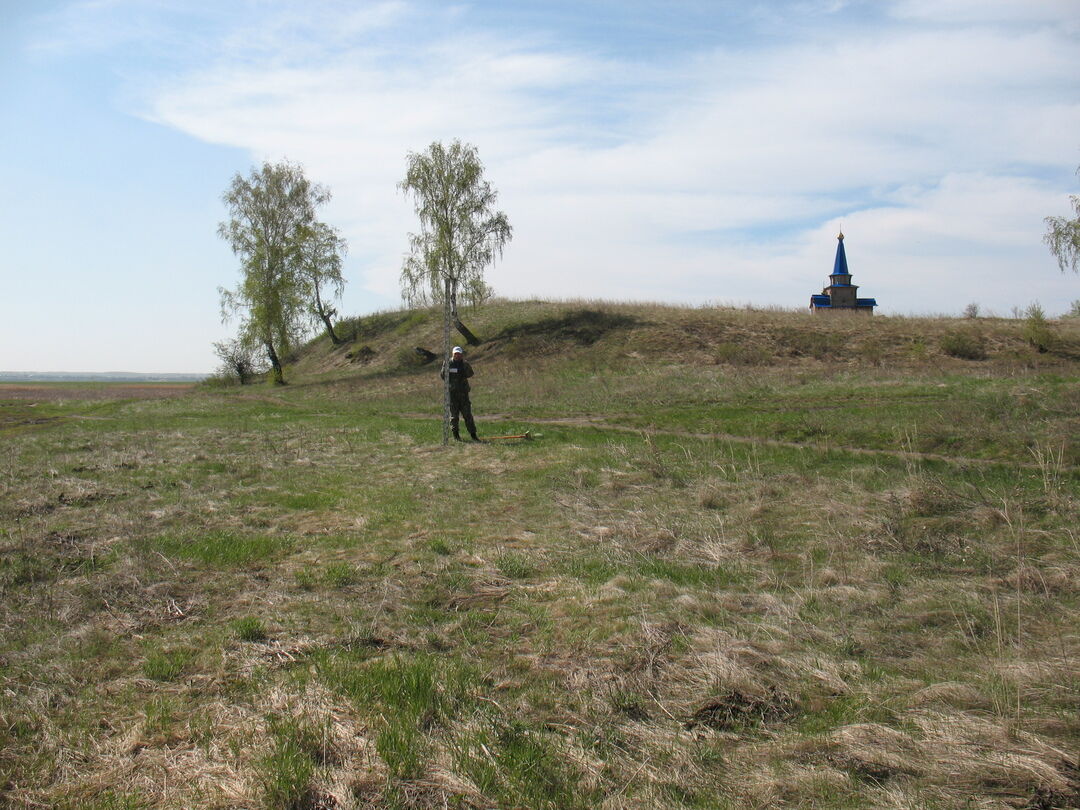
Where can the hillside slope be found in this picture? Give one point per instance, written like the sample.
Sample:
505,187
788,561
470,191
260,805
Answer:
615,333
749,560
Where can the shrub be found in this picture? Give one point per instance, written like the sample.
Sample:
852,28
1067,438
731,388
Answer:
965,345
1037,330
238,360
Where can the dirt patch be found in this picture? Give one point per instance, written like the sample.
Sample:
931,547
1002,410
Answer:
55,392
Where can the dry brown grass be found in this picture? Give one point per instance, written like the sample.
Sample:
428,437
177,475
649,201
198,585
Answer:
638,610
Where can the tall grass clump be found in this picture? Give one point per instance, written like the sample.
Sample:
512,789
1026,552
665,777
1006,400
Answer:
408,697
299,748
965,345
518,765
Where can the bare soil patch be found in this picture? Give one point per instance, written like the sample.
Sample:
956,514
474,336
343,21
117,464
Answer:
55,392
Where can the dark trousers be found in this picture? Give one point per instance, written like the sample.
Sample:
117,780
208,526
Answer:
460,405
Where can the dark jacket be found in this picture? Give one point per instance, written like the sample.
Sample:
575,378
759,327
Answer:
460,371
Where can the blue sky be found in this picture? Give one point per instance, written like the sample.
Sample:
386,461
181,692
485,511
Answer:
683,151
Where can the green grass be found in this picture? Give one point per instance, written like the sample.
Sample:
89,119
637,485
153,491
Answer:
751,562
250,628
221,549
166,665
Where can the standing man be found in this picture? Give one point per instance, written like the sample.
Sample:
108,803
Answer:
459,372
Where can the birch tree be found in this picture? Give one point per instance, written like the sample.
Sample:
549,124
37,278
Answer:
321,256
1063,237
461,233
271,214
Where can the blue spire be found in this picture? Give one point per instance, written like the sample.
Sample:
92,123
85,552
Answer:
840,265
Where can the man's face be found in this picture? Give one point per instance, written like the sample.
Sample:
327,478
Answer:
457,355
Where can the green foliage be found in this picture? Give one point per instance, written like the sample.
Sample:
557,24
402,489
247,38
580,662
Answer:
1037,331
21,568
1063,237
409,695
739,354
306,579
460,232
842,710
321,255
460,235
271,221
964,344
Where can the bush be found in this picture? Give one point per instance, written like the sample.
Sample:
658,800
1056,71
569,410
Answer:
965,345
1037,330
238,359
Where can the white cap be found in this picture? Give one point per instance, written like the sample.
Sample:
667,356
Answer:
457,350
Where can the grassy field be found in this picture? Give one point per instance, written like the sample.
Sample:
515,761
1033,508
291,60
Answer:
753,559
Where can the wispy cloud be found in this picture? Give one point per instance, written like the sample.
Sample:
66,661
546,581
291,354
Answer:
692,174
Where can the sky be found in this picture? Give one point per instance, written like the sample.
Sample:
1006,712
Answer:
704,152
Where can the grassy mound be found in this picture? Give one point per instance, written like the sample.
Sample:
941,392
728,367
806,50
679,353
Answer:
756,559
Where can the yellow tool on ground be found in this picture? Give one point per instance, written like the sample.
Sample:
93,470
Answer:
527,436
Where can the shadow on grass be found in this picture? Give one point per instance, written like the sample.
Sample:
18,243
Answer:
583,327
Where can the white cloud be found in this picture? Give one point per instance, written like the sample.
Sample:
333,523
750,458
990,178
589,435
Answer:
988,11
913,134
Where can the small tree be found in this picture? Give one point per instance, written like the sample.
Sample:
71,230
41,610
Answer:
320,261
271,215
460,235
1063,237
237,358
